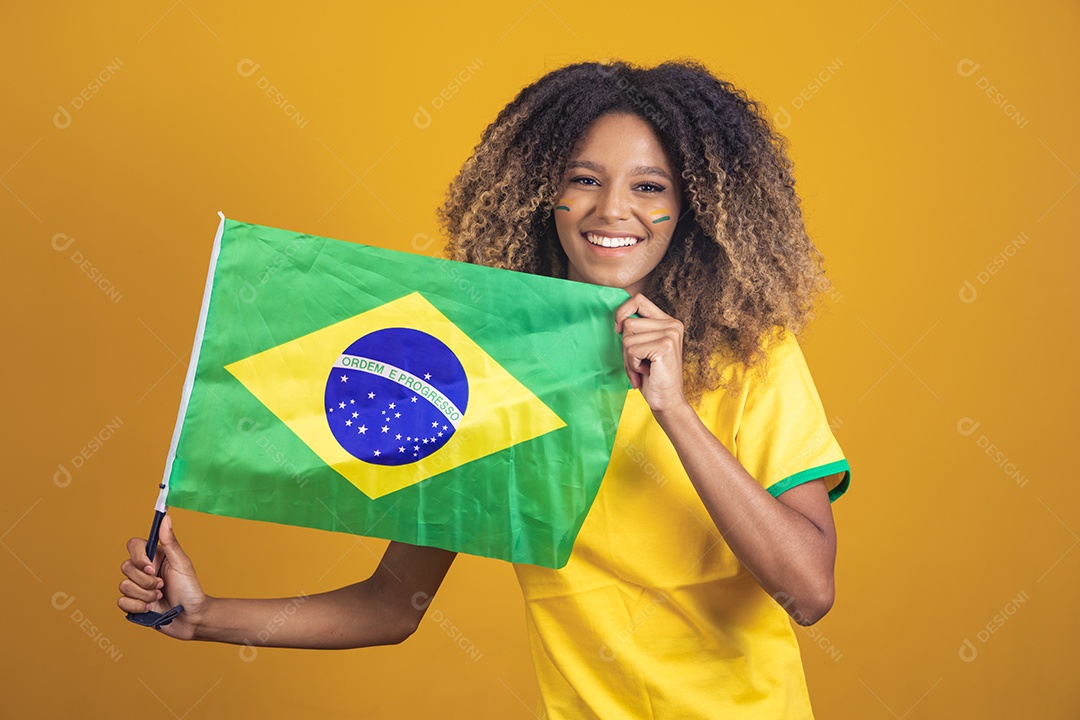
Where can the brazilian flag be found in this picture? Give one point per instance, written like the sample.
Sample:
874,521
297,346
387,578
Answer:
356,389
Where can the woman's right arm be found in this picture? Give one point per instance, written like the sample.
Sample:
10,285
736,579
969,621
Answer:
382,610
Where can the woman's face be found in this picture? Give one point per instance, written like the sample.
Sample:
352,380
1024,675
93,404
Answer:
619,204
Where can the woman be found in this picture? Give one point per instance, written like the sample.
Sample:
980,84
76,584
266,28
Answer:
713,524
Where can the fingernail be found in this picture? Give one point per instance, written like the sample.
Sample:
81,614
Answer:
158,594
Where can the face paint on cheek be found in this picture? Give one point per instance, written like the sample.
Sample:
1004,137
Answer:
564,204
660,215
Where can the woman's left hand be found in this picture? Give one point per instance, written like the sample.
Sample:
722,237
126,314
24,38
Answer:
652,352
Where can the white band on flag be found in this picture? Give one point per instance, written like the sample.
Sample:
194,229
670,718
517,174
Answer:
403,377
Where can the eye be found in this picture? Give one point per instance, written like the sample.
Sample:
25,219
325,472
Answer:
584,180
651,187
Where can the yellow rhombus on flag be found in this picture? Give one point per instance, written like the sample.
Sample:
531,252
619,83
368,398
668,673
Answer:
289,379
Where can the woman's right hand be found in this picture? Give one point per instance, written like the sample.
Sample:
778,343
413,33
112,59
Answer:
158,586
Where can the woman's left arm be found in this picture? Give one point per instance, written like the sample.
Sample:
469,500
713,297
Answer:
788,543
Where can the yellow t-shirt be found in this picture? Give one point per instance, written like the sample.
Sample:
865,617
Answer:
653,616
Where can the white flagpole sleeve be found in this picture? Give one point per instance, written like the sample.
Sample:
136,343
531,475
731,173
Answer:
193,364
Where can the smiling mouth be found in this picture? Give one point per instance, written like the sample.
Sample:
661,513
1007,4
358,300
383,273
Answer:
612,242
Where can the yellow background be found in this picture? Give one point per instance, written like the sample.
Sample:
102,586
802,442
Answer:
913,179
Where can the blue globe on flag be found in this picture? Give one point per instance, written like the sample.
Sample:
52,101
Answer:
395,396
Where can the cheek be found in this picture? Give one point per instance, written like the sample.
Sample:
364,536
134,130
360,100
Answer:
565,224
663,216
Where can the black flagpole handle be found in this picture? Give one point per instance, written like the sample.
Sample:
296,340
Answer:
151,618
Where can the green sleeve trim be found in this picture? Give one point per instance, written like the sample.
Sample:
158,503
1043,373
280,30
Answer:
813,474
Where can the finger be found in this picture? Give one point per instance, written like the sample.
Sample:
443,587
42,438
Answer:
638,362
140,578
634,361
669,336
132,605
137,552
652,345
640,305
646,356
637,366
170,547
133,591
635,325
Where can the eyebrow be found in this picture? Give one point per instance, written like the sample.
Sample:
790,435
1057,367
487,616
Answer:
639,170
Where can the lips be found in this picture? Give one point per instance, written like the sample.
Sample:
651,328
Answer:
611,241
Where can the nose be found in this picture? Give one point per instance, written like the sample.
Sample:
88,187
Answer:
613,204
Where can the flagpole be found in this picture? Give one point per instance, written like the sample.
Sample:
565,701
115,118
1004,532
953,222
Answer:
150,618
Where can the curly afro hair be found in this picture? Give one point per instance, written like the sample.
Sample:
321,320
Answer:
740,268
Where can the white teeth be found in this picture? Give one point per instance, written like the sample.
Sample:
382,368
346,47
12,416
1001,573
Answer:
605,241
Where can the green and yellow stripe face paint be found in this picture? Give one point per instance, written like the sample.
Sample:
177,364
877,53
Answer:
564,204
660,215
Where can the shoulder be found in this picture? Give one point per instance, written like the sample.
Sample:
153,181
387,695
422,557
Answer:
779,344
781,362
779,370
778,347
